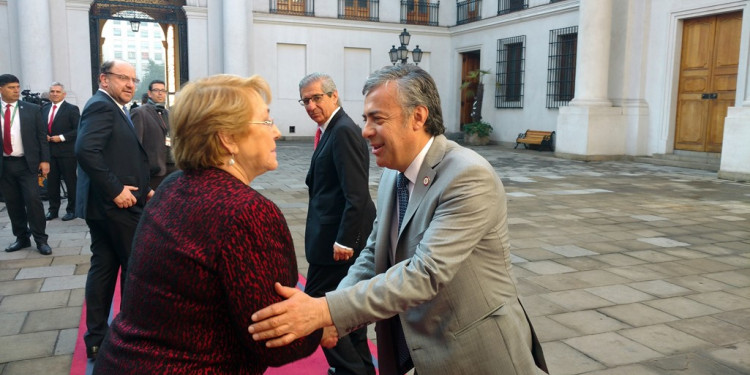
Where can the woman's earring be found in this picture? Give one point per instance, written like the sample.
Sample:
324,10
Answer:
231,161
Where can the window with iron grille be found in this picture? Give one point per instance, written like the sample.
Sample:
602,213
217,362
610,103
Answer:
511,60
561,71
420,12
293,7
364,10
508,6
468,11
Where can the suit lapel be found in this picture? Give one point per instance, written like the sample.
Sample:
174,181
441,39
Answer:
386,208
424,179
325,136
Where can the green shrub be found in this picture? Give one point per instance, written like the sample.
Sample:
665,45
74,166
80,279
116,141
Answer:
481,128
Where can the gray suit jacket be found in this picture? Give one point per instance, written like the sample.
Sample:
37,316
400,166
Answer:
452,285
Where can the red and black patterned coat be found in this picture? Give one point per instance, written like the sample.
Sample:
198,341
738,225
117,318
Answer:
206,254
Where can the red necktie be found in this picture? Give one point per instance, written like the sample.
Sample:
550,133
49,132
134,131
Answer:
317,138
7,146
51,117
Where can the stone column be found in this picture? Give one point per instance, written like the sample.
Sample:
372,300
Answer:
735,153
198,41
594,36
34,44
591,128
78,52
237,24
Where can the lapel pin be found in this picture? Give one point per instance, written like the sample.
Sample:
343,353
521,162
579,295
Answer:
426,181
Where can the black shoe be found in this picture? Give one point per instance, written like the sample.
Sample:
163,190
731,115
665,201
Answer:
69,216
92,352
18,245
43,248
51,216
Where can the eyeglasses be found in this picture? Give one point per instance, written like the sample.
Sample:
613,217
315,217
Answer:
315,99
158,91
268,123
123,77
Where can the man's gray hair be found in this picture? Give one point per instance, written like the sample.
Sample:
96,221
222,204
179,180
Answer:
326,83
414,87
58,84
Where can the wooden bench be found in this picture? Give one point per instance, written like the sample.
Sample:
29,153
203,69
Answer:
537,138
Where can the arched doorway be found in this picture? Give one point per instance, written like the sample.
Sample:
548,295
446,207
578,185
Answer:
171,20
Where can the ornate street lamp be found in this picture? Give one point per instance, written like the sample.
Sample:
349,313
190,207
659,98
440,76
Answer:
402,53
135,26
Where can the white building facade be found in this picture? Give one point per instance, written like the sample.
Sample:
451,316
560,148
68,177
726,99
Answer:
613,78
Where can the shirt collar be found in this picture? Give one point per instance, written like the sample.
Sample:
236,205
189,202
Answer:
325,125
413,170
113,99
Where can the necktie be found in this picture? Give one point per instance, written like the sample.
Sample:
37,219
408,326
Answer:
317,138
51,117
402,192
127,114
402,350
7,146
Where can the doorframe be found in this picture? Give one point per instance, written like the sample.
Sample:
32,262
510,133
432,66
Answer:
457,73
172,12
674,45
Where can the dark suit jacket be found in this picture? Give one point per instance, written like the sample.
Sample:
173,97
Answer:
65,123
340,208
151,130
109,157
33,136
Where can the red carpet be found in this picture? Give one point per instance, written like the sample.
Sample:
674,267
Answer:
314,364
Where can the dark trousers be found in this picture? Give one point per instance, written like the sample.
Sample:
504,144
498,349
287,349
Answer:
155,180
352,354
20,188
62,168
111,242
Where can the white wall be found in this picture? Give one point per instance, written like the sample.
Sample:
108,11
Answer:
535,24
346,50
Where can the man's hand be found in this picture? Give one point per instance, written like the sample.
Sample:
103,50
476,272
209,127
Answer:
150,195
286,321
126,198
44,167
54,138
330,337
341,253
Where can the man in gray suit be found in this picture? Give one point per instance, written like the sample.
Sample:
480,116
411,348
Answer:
438,283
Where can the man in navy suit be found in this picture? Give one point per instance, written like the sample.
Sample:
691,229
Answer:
113,177
25,154
62,128
340,211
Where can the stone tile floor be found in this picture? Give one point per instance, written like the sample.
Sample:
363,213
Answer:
625,268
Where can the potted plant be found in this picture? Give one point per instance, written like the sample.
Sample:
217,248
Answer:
477,132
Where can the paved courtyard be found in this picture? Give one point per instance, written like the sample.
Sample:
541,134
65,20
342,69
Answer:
625,268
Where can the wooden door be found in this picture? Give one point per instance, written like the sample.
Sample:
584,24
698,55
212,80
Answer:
291,6
470,63
708,80
359,9
418,12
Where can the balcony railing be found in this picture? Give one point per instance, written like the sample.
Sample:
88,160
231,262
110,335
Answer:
419,12
293,7
509,6
469,11
364,10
